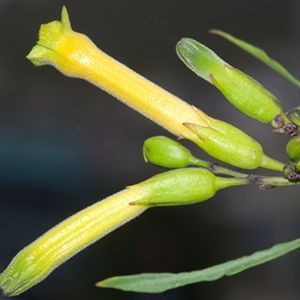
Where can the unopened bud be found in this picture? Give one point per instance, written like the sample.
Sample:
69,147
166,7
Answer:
168,153
293,149
231,145
242,91
294,115
183,186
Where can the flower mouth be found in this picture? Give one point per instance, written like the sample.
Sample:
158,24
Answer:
39,55
50,36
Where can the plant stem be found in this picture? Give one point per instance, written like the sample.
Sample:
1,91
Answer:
216,169
224,171
264,182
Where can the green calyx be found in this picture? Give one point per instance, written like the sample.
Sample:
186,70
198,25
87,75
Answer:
247,95
183,186
231,145
294,115
242,91
50,36
168,153
293,149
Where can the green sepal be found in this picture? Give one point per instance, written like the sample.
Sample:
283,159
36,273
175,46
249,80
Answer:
183,186
247,95
294,115
231,145
293,149
228,144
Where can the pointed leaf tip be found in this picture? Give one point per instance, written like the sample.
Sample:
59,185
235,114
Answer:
161,282
260,54
216,31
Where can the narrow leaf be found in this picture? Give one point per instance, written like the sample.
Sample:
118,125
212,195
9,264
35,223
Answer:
160,282
260,55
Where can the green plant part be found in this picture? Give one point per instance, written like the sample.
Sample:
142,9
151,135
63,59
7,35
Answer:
242,91
184,186
165,152
228,143
161,282
177,187
294,115
293,149
259,54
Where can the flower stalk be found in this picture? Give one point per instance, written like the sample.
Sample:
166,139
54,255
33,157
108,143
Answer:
168,153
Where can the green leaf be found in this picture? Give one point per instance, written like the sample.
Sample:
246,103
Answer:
160,282
259,54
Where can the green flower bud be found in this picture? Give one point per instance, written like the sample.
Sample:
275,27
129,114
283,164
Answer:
183,186
168,153
242,91
294,115
231,145
293,149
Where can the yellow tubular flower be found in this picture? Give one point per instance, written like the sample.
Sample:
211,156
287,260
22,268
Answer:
177,187
36,261
75,55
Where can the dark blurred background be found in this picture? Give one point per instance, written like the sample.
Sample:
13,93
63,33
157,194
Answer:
64,144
